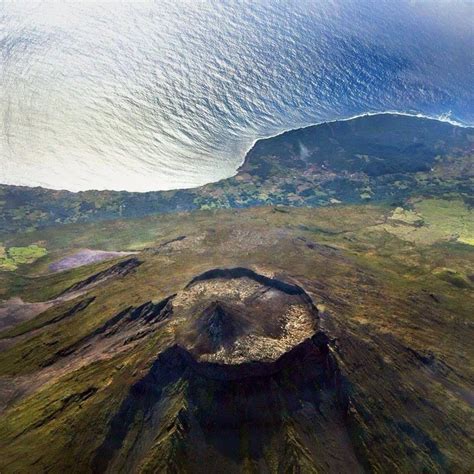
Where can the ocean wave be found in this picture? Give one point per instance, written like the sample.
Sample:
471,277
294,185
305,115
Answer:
172,94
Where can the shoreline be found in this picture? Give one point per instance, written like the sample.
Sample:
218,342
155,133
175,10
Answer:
440,118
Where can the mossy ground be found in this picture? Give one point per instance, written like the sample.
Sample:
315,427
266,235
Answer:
433,220
12,257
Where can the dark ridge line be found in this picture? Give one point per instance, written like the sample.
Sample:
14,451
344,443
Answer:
155,250
242,272
177,239
317,344
149,311
80,306
19,331
142,396
122,268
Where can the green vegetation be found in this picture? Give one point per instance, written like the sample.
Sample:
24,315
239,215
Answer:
432,220
448,217
407,216
12,257
452,276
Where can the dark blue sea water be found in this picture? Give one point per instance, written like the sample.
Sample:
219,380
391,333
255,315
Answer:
167,94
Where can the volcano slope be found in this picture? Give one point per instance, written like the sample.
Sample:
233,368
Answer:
269,339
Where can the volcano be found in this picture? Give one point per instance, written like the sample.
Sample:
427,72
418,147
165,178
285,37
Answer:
247,378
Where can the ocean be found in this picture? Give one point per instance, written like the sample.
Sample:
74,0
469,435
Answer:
171,94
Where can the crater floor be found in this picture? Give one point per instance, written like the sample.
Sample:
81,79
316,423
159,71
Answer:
236,316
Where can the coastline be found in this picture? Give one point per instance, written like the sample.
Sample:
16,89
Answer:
274,173
440,118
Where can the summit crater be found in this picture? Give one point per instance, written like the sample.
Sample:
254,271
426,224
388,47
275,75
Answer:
234,317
